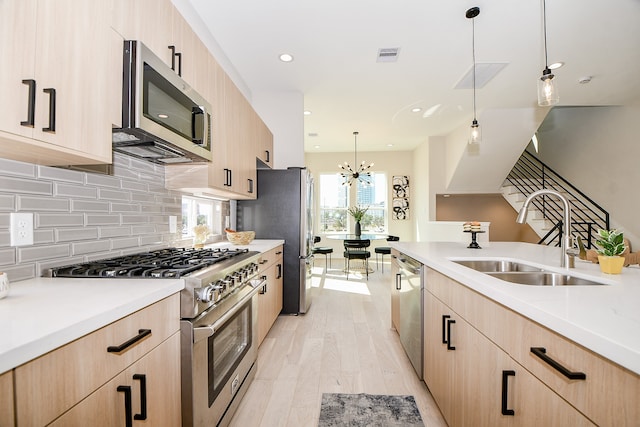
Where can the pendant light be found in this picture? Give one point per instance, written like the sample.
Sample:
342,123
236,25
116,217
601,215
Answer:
475,133
358,172
547,90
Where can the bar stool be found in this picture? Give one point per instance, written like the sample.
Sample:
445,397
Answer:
322,250
385,250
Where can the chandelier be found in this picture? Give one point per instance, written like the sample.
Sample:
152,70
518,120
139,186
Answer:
350,175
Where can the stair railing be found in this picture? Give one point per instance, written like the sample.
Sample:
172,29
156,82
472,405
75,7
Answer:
529,174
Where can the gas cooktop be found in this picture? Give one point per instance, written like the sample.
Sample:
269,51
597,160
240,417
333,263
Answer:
161,263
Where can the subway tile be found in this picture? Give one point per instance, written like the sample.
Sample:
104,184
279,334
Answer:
20,272
43,266
143,229
50,204
89,206
80,191
106,232
98,180
7,256
134,186
25,186
43,236
40,253
7,202
59,220
102,219
81,248
139,197
12,167
125,207
104,194
74,234
135,219
5,220
59,174
151,239
5,238
151,209
129,242
101,255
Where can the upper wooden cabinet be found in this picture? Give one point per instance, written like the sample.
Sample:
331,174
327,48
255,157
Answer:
57,103
264,139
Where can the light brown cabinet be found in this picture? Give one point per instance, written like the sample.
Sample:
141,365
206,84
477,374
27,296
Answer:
55,383
6,400
264,139
270,297
57,101
395,292
472,378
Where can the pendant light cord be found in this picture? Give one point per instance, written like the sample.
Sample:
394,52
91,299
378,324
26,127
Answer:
473,48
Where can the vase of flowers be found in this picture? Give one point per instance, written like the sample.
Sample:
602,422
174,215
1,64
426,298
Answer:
611,246
357,213
201,232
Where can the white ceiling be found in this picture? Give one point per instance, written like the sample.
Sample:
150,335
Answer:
335,45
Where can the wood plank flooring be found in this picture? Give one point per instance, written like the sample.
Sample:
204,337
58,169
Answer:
344,344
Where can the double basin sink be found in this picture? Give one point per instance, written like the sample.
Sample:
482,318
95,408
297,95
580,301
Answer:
524,274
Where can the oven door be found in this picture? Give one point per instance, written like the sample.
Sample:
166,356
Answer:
218,361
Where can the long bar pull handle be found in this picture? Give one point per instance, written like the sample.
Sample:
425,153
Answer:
268,156
173,57
31,108
541,352
127,404
279,275
179,56
250,183
449,346
505,392
398,281
143,397
122,347
52,110
444,328
230,177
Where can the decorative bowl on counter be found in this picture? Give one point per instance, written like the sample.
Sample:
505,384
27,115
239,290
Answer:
241,237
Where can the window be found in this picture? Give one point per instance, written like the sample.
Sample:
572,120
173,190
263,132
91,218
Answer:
375,197
199,211
333,203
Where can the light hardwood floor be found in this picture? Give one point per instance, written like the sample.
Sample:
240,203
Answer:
344,344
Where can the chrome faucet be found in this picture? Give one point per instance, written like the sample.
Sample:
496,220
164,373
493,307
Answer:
568,255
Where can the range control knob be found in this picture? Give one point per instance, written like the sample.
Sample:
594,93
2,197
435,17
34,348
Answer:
208,293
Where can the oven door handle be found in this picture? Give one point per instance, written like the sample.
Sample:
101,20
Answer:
202,332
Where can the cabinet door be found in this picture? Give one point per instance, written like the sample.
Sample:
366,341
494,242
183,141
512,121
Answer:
193,54
395,292
6,400
154,381
265,142
266,303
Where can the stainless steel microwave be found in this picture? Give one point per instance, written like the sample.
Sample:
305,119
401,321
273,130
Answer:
163,119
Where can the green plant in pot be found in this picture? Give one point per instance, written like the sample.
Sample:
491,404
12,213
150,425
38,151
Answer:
611,246
357,213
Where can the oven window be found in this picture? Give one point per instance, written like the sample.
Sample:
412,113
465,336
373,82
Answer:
227,347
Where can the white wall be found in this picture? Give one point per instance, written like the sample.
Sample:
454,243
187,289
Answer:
598,150
392,163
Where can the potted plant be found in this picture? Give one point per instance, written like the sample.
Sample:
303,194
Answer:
357,213
611,246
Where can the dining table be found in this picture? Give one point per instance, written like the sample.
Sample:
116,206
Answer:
365,236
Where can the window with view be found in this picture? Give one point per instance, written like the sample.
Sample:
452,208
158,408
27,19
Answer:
374,197
201,212
333,202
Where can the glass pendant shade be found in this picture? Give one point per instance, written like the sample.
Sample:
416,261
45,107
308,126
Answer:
547,89
475,133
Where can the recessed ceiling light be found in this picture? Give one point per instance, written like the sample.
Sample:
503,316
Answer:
316,146
285,57
163,116
389,145
307,113
416,110
556,65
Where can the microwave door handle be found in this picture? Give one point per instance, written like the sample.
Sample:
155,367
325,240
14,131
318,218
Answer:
196,111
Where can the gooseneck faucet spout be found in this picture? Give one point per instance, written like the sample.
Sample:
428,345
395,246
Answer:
566,242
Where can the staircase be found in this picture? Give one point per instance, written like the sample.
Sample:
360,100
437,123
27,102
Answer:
545,213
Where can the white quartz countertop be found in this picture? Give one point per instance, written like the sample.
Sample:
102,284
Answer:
42,314
604,319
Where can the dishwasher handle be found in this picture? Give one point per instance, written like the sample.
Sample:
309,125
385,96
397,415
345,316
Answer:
408,264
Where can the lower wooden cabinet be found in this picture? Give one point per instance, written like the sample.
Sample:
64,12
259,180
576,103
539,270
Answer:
395,292
77,381
6,400
270,297
146,393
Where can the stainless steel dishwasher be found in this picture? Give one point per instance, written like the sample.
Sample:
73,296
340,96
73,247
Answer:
409,284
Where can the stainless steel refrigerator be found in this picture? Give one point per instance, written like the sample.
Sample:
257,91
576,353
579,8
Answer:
283,209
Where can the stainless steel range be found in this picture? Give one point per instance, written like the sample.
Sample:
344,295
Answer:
218,309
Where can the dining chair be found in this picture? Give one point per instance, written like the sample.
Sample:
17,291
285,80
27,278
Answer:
322,250
357,249
385,250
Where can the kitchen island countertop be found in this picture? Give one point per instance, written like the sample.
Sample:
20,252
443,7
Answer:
604,319
42,314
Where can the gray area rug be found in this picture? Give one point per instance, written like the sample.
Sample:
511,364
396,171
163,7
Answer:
367,410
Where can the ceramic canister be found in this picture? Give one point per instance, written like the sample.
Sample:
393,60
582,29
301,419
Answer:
4,285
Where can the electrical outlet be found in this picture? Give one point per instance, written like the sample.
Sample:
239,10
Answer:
173,223
21,229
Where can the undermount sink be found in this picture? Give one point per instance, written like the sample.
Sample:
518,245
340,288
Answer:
524,274
542,278
491,266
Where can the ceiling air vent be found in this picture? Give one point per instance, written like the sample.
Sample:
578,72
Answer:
388,54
